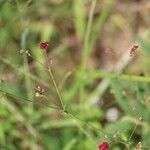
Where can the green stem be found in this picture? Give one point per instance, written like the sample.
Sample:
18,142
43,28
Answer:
94,74
86,49
133,131
10,94
110,136
54,82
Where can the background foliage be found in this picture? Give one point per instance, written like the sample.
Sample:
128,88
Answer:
88,39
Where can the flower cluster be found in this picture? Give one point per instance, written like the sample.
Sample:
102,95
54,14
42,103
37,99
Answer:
133,50
44,45
103,146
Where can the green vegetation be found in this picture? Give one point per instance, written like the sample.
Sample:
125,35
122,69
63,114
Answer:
85,88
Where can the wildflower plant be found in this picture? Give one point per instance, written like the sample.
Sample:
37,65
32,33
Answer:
76,114
61,106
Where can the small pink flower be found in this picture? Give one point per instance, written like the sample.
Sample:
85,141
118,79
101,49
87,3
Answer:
44,45
103,146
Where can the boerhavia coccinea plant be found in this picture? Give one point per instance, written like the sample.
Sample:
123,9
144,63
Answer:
39,92
103,146
44,45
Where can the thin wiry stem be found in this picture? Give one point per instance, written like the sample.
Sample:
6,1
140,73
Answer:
47,98
109,135
133,130
21,71
54,82
52,77
38,62
69,113
25,99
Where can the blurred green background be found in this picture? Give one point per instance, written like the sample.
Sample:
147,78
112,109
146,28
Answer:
106,92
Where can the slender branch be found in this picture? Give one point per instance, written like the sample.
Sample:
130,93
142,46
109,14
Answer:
54,82
25,99
109,135
134,130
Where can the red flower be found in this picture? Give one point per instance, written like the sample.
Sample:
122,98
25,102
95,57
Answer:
133,50
103,146
44,45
